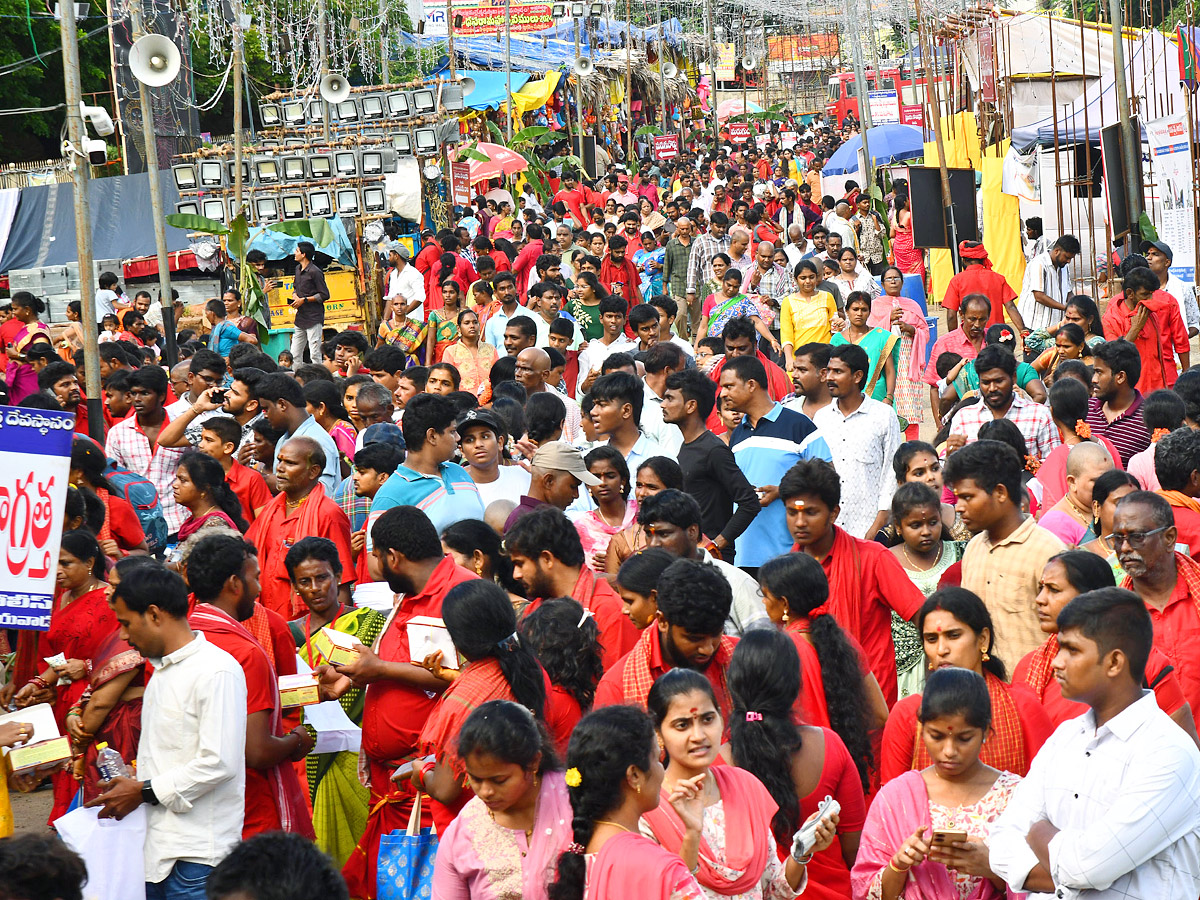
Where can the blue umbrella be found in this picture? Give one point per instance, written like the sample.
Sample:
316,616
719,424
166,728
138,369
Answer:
888,144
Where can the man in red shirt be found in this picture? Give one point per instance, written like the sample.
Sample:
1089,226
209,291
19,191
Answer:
618,274
528,257
400,695
1144,536
430,252
222,572
866,582
1177,465
694,600
219,438
978,277
1150,318
574,195
548,559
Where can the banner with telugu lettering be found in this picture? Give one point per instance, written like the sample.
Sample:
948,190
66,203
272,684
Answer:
726,62
469,20
1171,151
35,461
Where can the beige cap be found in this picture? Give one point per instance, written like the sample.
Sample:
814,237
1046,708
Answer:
561,456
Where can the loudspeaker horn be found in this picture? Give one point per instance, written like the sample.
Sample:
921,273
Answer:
334,88
154,60
669,70
583,66
468,85
750,63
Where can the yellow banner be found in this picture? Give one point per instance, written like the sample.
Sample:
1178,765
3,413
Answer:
726,62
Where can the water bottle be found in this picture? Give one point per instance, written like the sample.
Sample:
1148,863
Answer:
110,764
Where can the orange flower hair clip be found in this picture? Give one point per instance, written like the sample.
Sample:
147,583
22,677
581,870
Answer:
1159,434
1083,429
1032,464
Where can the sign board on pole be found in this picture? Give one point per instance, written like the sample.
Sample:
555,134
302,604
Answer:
726,62
986,37
739,131
1171,152
460,183
666,146
472,20
884,106
35,460
912,114
789,139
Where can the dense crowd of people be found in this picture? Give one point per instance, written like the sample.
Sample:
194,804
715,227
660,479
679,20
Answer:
718,623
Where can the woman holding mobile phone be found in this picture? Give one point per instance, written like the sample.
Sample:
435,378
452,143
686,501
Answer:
925,835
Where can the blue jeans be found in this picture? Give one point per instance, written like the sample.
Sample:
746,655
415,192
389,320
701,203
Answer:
186,882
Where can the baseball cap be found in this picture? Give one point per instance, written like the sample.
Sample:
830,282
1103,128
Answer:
1162,248
561,456
384,433
484,417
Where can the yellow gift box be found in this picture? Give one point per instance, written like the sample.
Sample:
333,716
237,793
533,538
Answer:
335,647
298,690
43,753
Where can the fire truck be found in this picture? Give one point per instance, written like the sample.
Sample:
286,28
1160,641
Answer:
842,96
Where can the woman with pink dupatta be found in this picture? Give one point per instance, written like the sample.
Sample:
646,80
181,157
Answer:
735,856
21,378
613,778
903,852
505,842
891,310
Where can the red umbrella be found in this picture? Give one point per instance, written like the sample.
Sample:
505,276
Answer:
500,162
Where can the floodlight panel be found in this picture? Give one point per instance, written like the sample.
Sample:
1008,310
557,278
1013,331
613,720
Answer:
185,176
293,168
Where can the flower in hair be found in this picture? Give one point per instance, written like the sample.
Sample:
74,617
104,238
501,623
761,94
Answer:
573,778
576,848
1159,434
1032,464
1083,429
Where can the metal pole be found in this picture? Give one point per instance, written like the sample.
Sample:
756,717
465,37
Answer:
450,35
507,64
323,57
1131,144
165,297
237,106
629,82
80,172
936,113
864,107
249,105
712,44
580,115
662,61
385,74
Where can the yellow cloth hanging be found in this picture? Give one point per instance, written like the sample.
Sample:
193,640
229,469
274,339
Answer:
1002,221
535,94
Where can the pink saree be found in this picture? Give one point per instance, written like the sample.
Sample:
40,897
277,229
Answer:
881,317
22,380
899,809
630,865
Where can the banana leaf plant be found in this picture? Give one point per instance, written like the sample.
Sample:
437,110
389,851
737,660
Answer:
237,234
526,142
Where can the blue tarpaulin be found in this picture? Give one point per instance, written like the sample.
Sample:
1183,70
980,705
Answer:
281,246
489,90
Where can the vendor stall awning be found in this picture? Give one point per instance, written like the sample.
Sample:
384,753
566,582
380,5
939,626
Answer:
489,90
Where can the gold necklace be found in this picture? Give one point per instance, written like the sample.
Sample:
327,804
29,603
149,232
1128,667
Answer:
933,565
290,505
614,824
537,800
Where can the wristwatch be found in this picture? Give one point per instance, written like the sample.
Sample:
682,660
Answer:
148,794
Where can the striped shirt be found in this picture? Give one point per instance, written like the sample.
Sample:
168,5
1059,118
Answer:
764,453
448,497
1128,431
704,248
1033,420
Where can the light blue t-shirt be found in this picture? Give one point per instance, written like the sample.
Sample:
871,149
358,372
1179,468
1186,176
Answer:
446,498
331,477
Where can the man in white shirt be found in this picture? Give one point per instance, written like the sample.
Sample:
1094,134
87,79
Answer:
1047,284
862,435
406,287
191,756
796,246
1111,805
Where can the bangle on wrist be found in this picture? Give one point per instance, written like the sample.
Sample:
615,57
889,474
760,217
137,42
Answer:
892,866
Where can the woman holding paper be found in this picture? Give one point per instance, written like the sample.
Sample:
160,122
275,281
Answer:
339,800
499,666
80,624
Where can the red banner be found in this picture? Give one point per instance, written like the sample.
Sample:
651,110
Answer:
666,146
739,131
460,183
913,114
803,46
490,19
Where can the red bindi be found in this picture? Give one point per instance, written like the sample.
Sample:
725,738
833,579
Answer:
695,710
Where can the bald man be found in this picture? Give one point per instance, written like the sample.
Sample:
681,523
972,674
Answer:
533,365
1071,517
299,510
796,246
676,256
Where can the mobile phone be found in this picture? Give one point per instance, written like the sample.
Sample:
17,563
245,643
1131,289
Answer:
945,838
218,396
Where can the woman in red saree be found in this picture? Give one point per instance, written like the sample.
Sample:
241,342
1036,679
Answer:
733,810
904,254
799,765
1064,577
795,589
614,777
956,791
499,666
80,627
21,378
956,631
201,489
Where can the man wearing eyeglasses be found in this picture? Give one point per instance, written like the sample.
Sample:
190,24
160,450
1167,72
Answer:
1168,581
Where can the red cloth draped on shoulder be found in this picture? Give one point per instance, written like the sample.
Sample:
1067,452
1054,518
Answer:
637,679
78,630
810,702
1036,672
228,634
1019,728
748,840
122,726
631,866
